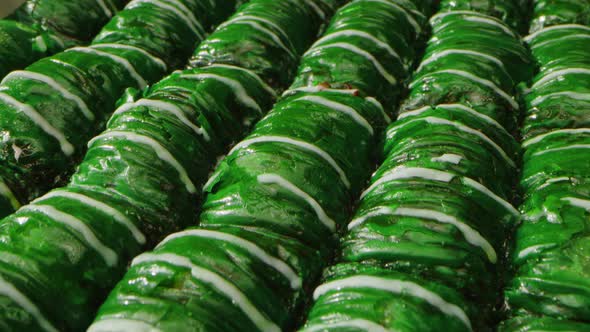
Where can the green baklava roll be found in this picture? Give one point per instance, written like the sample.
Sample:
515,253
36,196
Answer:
549,288
273,209
52,108
547,13
39,28
424,250
138,181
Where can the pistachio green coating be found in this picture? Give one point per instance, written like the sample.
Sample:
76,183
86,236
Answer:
41,146
554,12
561,103
75,21
40,28
130,177
266,214
507,63
511,12
433,224
138,181
337,310
18,47
267,225
265,42
331,61
549,288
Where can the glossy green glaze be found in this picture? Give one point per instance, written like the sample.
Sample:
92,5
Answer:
269,222
51,109
432,226
40,28
549,287
138,181
555,12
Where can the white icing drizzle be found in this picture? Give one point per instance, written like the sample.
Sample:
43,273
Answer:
481,188
476,17
300,144
7,289
121,325
553,180
562,72
461,127
533,250
250,73
159,62
380,107
342,108
539,138
98,205
9,195
55,86
493,22
319,88
263,20
160,151
395,286
401,173
561,39
164,106
476,79
108,254
450,158
211,179
253,249
578,202
120,60
555,27
316,8
356,323
225,287
66,147
269,33
563,148
104,8
40,43
361,34
570,94
409,16
380,211
441,54
282,182
471,235
354,49
237,88
180,10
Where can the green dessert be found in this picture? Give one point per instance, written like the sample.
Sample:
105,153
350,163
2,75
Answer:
356,51
273,209
138,181
52,108
549,288
39,28
425,248
511,12
547,13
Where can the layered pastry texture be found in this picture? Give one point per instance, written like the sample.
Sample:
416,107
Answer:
550,288
141,178
277,201
425,248
51,109
39,28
